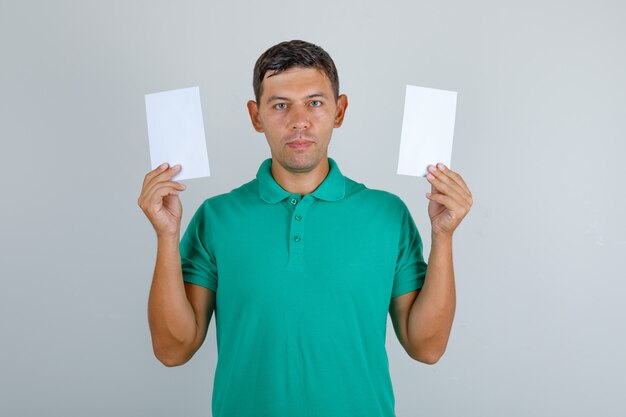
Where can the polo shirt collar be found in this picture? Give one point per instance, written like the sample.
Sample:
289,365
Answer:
333,188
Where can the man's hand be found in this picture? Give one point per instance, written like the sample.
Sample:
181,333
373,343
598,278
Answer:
450,200
159,200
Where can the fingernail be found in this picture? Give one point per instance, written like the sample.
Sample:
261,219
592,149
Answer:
427,194
441,166
163,165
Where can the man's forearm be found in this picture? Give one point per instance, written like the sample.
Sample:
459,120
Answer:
432,313
170,314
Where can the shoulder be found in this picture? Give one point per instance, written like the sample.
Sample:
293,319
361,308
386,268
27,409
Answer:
241,196
381,199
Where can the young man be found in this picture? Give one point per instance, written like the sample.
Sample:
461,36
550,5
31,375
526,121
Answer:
301,264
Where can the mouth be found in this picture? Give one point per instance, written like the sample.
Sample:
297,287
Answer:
299,144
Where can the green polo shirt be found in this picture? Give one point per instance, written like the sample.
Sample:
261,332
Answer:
303,286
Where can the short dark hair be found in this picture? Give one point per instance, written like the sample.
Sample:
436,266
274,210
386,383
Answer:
290,54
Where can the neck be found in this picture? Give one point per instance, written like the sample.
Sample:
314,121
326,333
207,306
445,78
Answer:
300,182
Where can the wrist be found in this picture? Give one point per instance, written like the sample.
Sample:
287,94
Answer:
168,238
441,239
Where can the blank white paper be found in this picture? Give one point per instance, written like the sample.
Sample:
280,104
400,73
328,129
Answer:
176,132
427,129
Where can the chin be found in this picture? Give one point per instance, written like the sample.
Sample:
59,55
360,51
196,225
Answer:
300,165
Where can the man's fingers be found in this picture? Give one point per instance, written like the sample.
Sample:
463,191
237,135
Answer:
156,171
457,209
162,175
444,200
445,185
161,189
454,176
153,196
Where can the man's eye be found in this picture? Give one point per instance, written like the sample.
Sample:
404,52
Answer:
281,106
316,103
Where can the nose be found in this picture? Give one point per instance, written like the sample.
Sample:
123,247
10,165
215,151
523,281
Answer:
299,119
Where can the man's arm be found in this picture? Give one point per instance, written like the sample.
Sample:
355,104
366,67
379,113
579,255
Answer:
423,319
178,313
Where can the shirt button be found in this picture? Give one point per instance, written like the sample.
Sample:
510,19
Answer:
298,217
294,201
296,238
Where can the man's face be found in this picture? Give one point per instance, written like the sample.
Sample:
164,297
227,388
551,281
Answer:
297,111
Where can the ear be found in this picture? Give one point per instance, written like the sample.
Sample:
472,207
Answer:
342,105
253,110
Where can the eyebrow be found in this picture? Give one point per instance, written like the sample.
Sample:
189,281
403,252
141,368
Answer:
314,95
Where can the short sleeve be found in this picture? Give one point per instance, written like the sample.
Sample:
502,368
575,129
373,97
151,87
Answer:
410,266
196,255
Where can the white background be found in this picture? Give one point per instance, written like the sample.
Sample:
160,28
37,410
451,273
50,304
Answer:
539,137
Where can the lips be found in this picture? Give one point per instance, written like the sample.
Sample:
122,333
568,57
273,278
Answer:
299,143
